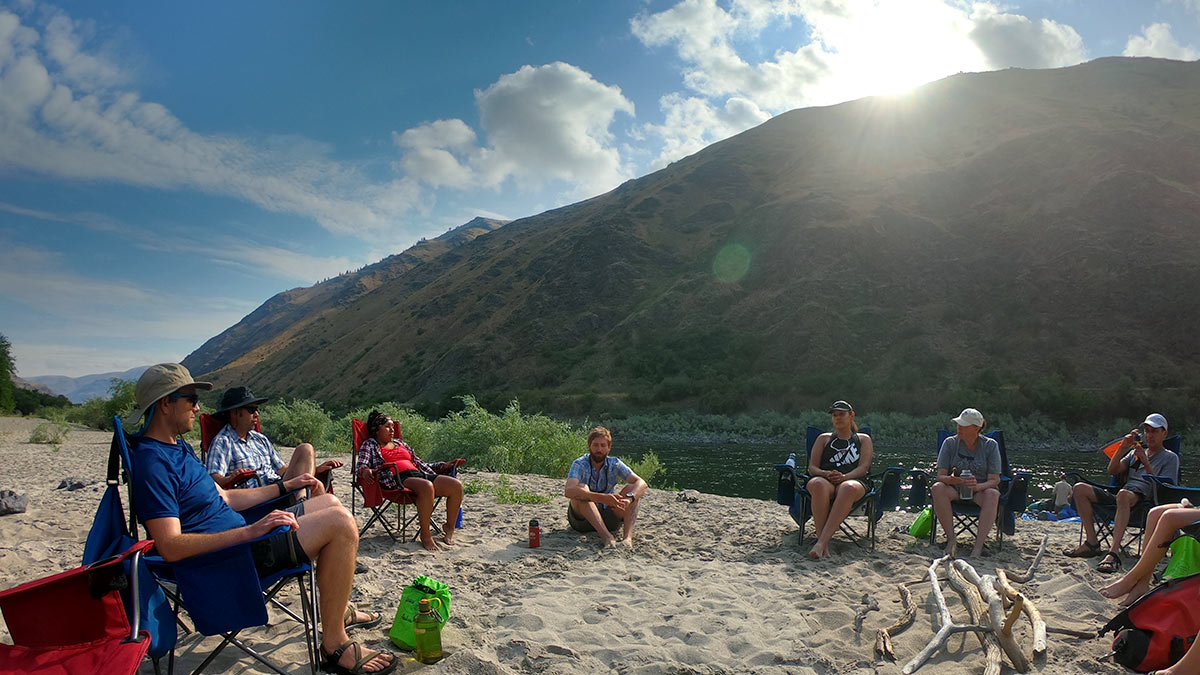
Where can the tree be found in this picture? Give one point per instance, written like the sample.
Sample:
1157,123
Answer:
6,374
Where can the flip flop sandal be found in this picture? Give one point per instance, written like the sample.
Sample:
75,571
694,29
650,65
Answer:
329,661
1109,564
1085,550
348,619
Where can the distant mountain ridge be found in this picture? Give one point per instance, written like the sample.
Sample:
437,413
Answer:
80,389
991,232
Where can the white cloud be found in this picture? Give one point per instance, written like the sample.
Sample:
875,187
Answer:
64,112
540,124
853,48
1156,40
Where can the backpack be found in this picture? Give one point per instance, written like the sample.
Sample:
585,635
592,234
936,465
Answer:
1156,631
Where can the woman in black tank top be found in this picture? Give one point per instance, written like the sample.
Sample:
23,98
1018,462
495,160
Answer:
838,466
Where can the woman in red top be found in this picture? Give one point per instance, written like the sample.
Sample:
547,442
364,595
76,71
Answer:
427,481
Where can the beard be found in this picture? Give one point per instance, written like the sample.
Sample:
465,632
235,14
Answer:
597,457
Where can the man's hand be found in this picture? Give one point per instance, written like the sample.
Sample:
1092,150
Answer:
271,521
303,480
613,500
326,466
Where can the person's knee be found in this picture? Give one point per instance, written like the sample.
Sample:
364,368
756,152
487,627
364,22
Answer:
819,486
942,491
305,452
1083,492
1127,499
991,496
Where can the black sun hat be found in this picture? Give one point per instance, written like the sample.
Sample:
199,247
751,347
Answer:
238,397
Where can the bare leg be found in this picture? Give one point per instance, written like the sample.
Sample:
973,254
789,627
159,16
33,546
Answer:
630,514
989,503
591,513
1126,500
1167,519
1085,497
452,489
423,492
847,493
304,460
820,492
943,497
330,537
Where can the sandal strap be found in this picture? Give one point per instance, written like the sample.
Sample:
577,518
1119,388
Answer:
336,655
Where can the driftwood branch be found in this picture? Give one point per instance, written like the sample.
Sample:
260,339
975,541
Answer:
948,627
995,619
978,610
868,605
1028,574
883,637
1030,609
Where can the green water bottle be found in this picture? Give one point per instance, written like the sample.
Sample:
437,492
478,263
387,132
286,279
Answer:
427,627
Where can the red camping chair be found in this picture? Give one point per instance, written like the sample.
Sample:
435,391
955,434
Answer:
210,426
75,621
378,498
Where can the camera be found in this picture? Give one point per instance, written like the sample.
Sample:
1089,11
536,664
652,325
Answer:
1138,436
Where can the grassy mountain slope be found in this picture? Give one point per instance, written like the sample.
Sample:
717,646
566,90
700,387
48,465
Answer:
993,232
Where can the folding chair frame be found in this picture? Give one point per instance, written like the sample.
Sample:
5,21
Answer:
378,499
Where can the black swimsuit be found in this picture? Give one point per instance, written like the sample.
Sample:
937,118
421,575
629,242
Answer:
841,454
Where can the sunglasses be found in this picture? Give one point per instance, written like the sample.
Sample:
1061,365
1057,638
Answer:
190,398
251,409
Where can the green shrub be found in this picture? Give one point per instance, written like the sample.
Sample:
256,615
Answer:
52,433
99,412
296,422
506,494
510,442
648,468
417,431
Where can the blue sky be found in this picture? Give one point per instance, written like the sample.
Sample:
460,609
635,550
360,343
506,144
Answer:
167,167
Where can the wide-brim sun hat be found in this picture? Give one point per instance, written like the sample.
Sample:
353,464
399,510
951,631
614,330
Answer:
159,381
238,397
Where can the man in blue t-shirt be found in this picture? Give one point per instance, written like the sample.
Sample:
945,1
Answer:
591,487
187,514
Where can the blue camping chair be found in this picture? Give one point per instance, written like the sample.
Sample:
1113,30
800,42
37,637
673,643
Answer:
242,600
883,492
1014,493
1105,514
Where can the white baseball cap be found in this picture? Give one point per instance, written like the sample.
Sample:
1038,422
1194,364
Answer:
969,417
1155,420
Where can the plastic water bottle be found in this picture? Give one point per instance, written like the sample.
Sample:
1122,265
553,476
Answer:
535,534
427,632
791,460
964,490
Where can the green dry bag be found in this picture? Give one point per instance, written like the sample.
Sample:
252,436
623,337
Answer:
422,587
923,524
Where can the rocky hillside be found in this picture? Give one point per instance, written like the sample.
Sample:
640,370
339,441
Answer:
1013,237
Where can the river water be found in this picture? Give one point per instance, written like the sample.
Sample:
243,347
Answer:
748,470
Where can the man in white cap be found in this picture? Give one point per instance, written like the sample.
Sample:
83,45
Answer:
187,514
968,464
1140,454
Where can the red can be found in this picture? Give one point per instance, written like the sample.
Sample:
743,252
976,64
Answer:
535,534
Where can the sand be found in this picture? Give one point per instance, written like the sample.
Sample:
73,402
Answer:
718,585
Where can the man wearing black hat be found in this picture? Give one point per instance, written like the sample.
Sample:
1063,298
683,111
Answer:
239,452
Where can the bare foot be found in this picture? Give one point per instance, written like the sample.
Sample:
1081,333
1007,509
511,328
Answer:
610,543
1139,589
428,542
951,544
817,552
1118,588
448,534
627,543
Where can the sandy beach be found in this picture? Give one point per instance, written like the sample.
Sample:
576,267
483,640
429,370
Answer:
718,585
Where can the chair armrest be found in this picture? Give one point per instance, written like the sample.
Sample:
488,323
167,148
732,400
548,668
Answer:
256,512
1167,492
1076,477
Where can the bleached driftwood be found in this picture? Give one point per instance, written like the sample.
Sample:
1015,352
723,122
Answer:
1005,578
948,627
883,636
1000,625
977,609
868,605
